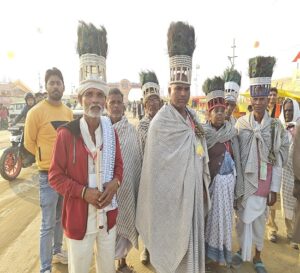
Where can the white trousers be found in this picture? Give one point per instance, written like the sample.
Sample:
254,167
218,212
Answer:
250,226
102,244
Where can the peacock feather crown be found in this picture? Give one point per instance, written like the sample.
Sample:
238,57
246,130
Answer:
232,79
214,90
92,49
181,46
260,73
149,83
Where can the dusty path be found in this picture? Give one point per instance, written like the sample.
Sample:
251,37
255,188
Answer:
20,222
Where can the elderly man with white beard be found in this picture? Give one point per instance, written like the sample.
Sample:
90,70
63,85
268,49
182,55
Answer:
87,169
87,166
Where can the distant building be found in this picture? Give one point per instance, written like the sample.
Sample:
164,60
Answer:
125,86
12,92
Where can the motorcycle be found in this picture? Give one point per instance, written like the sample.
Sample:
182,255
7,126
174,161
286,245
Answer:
16,157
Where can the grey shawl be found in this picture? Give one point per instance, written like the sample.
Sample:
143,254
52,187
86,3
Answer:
142,130
255,139
213,136
171,207
288,201
296,154
127,193
225,133
296,167
232,120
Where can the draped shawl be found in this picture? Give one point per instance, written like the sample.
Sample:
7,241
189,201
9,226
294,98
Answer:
127,193
225,133
142,130
296,112
213,136
255,139
232,120
171,207
288,201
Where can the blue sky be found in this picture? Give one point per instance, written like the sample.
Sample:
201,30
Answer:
38,34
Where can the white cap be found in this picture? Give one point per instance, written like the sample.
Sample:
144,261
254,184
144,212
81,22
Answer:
92,83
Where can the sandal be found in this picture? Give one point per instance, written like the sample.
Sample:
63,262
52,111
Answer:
237,260
259,266
294,246
126,269
273,238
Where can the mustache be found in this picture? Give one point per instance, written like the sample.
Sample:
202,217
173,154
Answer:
96,105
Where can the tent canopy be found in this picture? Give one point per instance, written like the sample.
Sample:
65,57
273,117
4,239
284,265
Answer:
281,93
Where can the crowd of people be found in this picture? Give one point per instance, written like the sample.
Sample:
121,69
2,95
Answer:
31,99
137,108
179,184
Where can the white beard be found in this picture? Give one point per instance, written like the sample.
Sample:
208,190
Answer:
90,113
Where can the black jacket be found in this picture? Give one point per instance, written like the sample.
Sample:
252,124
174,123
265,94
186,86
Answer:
23,114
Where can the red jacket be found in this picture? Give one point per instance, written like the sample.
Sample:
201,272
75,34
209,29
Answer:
68,175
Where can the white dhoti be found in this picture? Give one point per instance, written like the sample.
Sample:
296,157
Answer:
251,225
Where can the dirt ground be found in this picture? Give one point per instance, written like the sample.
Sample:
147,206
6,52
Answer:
20,221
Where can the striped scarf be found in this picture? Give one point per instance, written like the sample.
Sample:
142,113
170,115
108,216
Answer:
107,162
213,136
288,201
225,133
232,120
142,130
127,193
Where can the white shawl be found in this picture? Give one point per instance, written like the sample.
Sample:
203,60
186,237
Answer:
106,160
254,139
288,201
171,209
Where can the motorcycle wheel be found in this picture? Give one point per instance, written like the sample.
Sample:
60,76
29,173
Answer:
10,164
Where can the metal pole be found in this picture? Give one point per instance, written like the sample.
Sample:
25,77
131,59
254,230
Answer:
232,58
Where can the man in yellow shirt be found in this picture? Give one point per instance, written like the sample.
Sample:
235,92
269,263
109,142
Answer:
40,135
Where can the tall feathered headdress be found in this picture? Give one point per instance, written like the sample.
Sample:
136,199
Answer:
149,83
232,79
181,46
91,40
260,73
92,49
214,90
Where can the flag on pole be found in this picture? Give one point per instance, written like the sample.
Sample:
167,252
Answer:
256,44
297,57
